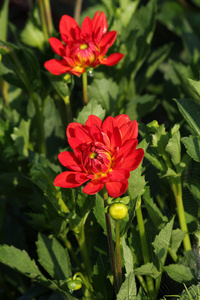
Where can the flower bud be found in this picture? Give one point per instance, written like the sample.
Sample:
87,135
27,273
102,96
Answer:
74,284
118,211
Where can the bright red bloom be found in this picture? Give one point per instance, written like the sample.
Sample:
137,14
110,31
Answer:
104,152
84,47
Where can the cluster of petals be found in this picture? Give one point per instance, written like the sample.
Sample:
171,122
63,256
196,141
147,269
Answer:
104,153
83,47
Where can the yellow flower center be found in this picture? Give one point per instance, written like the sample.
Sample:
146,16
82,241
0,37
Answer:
93,155
83,46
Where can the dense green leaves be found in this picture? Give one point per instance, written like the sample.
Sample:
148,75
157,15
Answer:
128,290
191,113
53,257
20,261
92,108
161,45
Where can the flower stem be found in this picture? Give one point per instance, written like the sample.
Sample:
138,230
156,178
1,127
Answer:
43,19
110,242
143,240
68,108
118,252
177,190
47,10
77,11
40,124
84,78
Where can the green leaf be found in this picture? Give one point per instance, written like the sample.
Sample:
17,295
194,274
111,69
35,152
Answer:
53,257
139,106
191,113
179,273
4,21
152,65
155,214
128,290
52,121
191,293
20,136
136,180
195,87
194,187
92,108
19,260
43,173
32,35
141,27
99,213
85,203
174,147
100,281
128,257
106,93
59,85
177,238
148,269
192,145
160,138
170,173
162,243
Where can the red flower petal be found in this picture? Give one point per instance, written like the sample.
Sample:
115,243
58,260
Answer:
122,119
112,59
70,161
116,139
108,39
118,175
74,142
57,46
128,148
108,126
86,28
132,161
129,130
99,21
117,188
69,61
93,187
93,120
56,66
67,28
70,179
71,129
83,135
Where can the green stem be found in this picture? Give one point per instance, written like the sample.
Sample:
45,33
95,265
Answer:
143,240
176,187
77,11
84,78
110,242
86,260
47,10
4,91
40,124
177,190
43,20
71,251
118,252
68,109
142,282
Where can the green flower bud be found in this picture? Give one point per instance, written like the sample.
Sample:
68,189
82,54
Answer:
118,211
74,284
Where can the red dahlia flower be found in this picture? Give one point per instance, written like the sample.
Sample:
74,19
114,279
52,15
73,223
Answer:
104,152
84,47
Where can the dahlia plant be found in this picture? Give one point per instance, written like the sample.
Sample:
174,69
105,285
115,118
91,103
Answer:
112,211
